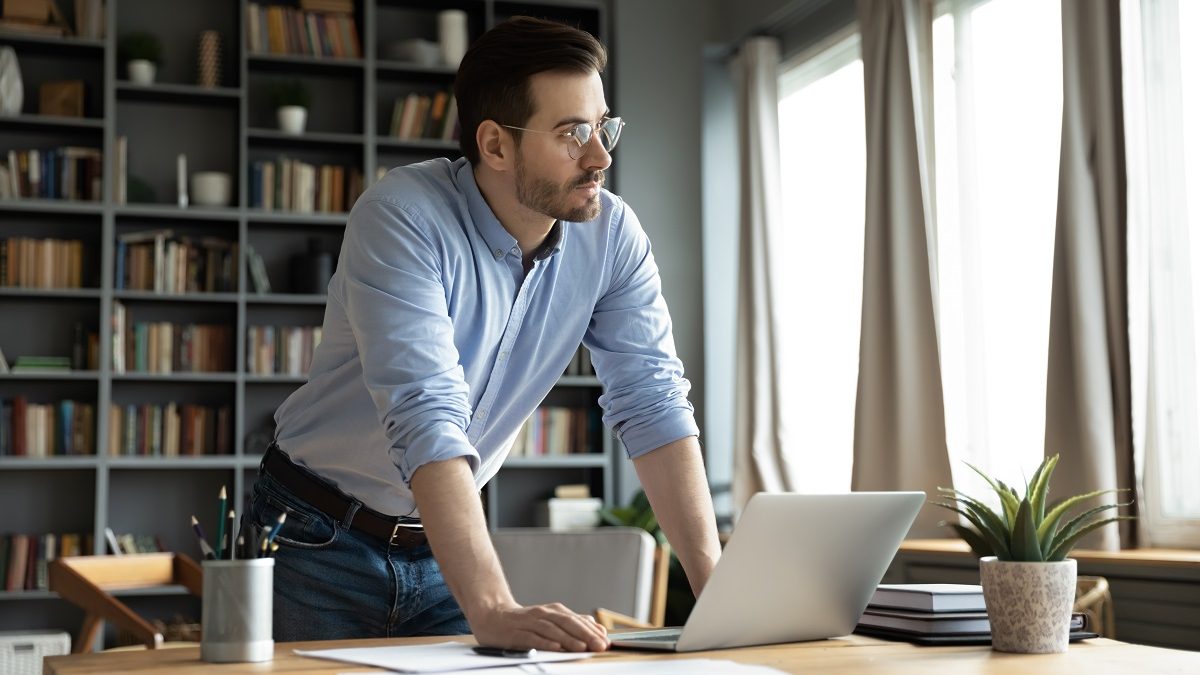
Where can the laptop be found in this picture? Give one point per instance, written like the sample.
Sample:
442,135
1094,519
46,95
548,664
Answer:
797,567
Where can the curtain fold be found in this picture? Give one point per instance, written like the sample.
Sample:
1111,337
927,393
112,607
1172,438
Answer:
1088,413
900,426
759,459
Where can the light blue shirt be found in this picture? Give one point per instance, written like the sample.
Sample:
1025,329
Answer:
436,344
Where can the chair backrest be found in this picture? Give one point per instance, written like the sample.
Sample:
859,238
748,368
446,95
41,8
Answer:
87,582
607,567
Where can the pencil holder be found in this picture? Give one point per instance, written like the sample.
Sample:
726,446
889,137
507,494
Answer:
236,610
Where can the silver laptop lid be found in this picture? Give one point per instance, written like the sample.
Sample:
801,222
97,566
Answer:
799,567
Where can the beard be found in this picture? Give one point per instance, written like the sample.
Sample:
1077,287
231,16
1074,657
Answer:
547,198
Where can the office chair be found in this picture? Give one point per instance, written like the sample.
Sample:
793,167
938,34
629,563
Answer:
86,582
617,574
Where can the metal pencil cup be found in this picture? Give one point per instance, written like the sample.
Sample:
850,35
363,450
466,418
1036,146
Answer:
236,610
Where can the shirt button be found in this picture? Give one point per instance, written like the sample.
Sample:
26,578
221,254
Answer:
499,254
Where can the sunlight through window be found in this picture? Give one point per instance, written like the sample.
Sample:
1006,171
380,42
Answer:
823,169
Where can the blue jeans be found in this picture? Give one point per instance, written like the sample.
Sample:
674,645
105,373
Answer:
333,583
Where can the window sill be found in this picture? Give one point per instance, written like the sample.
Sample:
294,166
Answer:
1149,557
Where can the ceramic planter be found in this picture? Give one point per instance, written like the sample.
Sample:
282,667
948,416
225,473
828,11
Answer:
1028,604
292,118
141,71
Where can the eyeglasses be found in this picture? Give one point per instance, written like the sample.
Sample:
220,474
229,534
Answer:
608,131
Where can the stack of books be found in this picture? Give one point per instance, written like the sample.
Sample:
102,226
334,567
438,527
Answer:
935,614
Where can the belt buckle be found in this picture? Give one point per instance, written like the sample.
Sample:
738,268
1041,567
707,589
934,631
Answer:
395,531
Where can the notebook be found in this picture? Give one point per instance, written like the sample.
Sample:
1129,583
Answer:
797,567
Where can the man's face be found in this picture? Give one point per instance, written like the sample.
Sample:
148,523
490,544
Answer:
548,181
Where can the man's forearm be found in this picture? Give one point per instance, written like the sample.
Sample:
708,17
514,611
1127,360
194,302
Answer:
674,480
454,522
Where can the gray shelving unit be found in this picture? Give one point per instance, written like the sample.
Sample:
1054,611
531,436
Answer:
223,128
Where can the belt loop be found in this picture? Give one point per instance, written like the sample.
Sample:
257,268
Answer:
348,519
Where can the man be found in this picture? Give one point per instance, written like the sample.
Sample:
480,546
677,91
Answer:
462,291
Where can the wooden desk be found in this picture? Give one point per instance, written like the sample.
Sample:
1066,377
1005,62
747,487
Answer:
851,654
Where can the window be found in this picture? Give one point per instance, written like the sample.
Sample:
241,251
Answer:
1161,73
997,105
823,171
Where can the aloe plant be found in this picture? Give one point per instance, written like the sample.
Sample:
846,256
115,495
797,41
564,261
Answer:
1026,528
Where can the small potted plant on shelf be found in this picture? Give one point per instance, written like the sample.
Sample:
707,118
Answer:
142,54
291,99
1028,581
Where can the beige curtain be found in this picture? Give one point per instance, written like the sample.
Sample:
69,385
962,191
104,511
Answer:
759,461
1087,388
900,426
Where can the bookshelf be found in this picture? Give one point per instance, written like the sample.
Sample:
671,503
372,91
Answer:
225,128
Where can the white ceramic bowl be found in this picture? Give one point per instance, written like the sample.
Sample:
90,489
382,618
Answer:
211,188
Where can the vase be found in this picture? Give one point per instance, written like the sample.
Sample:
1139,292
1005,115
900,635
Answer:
141,71
1028,604
292,118
452,35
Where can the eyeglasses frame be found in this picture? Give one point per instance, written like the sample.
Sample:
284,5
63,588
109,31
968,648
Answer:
595,130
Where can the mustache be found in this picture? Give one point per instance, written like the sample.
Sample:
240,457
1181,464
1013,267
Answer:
593,177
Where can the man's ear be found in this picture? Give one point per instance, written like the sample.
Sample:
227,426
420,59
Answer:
495,146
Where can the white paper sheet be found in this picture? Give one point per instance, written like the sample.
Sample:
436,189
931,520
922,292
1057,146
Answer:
436,658
656,667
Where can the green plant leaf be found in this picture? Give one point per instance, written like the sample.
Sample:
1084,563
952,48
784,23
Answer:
1060,552
1007,498
1048,526
1078,522
1040,487
998,543
1025,546
975,540
989,519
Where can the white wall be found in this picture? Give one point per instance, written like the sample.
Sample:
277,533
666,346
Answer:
657,63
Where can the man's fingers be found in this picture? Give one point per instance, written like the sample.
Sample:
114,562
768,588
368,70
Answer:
568,628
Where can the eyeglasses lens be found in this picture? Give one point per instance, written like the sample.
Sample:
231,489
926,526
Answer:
608,131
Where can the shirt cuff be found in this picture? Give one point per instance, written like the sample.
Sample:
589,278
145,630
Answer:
437,443
663,428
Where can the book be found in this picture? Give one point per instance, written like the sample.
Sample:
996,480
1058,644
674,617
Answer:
1079,631
926,623
929,597
3,362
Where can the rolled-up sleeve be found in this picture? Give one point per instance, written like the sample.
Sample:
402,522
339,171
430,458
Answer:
393,291
629,337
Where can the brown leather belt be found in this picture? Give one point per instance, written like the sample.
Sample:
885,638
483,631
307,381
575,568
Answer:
393,530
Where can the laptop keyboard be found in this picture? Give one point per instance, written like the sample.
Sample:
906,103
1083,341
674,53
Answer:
664,635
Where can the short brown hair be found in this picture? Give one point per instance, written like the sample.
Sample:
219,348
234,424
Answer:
493,78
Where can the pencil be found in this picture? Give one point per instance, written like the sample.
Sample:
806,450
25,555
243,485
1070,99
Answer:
270,538
231,531
222,499
204,547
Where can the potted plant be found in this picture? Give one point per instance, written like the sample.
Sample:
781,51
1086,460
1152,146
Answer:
291,99
142,54
1028,580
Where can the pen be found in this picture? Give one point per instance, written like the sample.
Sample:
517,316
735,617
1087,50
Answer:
204,547
506,653
222,498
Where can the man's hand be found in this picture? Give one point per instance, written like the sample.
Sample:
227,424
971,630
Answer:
549,627
453,518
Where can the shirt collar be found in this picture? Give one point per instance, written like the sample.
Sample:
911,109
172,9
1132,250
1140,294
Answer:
498,239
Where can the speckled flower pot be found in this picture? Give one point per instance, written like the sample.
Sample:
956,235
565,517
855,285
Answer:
1028,604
